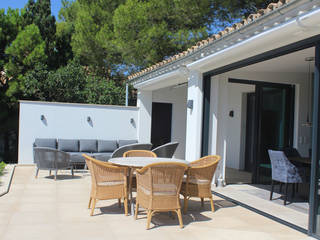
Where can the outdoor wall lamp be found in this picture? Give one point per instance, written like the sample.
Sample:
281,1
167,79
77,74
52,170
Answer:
42,117
131,120
88,119
190,104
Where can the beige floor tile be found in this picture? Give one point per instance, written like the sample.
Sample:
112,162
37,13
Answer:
31,232
46,209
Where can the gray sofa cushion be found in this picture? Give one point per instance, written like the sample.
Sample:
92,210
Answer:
76,157
126,142
107,145
103,156
88,145
68,145
45,142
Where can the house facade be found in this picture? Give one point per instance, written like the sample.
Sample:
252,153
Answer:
251,87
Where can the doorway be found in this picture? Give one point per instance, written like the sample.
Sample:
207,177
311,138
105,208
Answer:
269,126
161,123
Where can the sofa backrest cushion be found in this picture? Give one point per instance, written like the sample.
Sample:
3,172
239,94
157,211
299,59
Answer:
127,142
45,142
107,145
68,145
88,145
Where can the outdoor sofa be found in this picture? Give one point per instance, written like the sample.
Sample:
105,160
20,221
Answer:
99,149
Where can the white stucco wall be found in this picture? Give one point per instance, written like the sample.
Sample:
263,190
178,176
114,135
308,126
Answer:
178,98
69,121
231,131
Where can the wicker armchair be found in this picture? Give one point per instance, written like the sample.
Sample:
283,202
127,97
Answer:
199,178
158,187
139,153
108,182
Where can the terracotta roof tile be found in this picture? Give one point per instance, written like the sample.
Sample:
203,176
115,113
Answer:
252,17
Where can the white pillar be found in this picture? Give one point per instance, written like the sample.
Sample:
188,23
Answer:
144,103
194,116
219,132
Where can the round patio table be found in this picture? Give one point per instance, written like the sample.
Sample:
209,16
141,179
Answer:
139,162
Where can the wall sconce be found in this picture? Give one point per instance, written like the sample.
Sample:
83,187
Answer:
131,120
190,104
42,117
231,113
88,119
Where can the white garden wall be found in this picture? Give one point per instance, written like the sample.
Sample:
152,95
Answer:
70,121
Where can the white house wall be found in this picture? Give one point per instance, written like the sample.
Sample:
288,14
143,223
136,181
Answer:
178,98
69,121
231,131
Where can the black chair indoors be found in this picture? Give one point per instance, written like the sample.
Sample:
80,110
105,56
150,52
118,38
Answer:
283,171
166,150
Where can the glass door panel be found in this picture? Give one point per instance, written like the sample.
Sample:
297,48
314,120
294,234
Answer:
274,128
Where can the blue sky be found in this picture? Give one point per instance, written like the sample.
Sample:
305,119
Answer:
55,5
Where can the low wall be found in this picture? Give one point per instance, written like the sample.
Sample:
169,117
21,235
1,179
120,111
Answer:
72,121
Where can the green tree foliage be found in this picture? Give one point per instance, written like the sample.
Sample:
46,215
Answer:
149,31
93,38
27,49
71,83
39,13
10,25
63,85
100,90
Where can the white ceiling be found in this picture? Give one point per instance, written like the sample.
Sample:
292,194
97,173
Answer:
294,62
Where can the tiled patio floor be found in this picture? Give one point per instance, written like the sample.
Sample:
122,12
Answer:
46,209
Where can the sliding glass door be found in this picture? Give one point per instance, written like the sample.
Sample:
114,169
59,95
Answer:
274,120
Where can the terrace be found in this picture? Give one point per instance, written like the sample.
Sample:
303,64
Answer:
46,209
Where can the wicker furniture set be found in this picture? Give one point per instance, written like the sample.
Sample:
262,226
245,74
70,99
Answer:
160,181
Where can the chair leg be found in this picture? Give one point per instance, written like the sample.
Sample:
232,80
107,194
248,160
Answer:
293,190
72,173
136,211
149,216
125,203
49,172
272,187
180,218
280,189
119,202
89,202
37,172
202,202
286,194
185,204
212,204
55,174
93,206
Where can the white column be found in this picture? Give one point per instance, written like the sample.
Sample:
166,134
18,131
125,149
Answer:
144,103
194,116
219,107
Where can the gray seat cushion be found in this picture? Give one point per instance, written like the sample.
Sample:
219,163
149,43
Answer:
68,145
126,142
76,157
45,142
107,145
87,145
103,156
